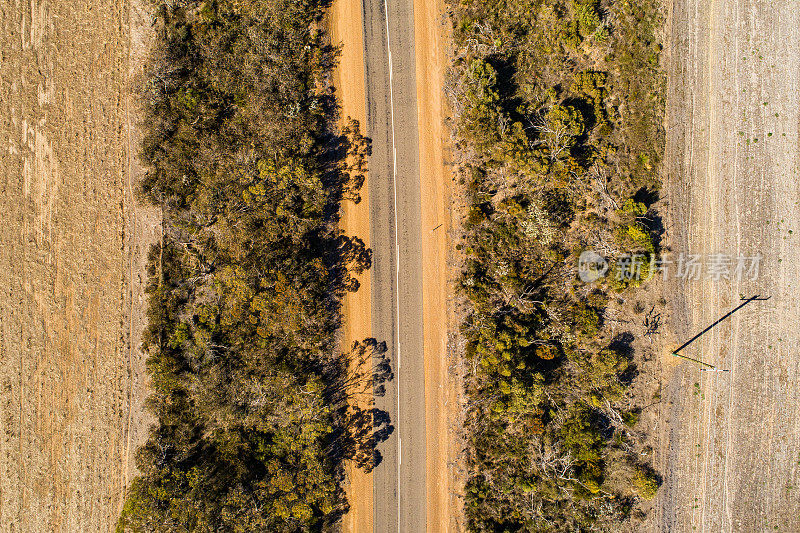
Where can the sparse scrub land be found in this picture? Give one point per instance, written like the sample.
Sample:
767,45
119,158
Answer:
249,389
558,108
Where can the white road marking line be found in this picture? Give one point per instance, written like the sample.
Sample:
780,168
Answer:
397,251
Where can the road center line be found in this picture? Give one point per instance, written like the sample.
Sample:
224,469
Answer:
397,251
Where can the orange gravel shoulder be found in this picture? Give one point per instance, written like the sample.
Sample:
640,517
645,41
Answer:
347,32
431,39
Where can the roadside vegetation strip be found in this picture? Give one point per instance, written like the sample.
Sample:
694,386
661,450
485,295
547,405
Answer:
253,398
558,109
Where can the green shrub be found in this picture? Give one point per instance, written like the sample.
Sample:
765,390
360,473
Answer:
630,418
552,114
587,16
645,483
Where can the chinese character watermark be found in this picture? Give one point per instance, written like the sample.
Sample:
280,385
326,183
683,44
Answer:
694,267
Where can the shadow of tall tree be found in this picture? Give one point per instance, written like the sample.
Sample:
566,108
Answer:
363,426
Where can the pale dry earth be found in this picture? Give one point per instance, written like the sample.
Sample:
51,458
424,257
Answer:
72,246
730,445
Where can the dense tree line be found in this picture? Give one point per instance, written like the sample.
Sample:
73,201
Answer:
249,388
558,107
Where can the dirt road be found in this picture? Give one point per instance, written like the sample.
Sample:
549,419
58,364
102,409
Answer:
431,38
730,452
70,257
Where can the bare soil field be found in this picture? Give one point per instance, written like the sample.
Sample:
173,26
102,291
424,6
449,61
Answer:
72,247
729,450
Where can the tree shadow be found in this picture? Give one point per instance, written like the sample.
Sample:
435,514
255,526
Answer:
362,425
622,345
653,221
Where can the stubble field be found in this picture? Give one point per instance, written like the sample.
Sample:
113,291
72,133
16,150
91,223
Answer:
731,441
72,247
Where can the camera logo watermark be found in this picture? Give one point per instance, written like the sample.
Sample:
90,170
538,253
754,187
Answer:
591,266
718,266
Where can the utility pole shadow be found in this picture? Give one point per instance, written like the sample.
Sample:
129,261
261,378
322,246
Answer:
746,301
